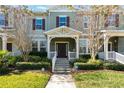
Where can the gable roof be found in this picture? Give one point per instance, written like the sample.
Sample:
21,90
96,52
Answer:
63,30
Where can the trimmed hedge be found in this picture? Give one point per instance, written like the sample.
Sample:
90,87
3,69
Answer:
87,66
114,66
32,65
34,58
4,70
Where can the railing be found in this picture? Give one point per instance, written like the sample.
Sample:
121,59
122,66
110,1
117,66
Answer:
71,55
119,57
53,62
111,55
101,55
52,54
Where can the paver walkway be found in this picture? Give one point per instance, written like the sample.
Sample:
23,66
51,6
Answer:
61,81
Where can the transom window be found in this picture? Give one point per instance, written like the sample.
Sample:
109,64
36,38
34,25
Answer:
85,21
62,20
38,24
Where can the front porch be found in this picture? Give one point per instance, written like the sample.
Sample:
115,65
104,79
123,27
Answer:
63,42
113,48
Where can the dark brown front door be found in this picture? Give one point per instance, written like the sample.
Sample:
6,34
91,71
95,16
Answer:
9,47
61,50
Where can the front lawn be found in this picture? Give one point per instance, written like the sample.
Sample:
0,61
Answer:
24,80
99,79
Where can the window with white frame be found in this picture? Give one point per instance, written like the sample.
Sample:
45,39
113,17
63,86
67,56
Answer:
34,46
84,46
85,21
111,20
62,20
43,46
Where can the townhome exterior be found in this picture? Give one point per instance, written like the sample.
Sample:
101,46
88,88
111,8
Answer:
61,32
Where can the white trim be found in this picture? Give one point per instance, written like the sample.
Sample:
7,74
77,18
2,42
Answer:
67,47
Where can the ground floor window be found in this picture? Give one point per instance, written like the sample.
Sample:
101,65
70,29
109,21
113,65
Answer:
42,46
84,46
34,46
39,46
9,47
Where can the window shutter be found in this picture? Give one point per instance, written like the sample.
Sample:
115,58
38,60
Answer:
68,21
33,24
117,20
106,21
43,22
6,20
57,21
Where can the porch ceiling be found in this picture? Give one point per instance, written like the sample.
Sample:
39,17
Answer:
63,31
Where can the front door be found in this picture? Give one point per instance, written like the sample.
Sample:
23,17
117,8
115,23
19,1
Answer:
61,51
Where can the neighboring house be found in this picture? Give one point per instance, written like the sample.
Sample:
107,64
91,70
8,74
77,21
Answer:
61,32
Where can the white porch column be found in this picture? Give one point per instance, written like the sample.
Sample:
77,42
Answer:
106,47
77,47
4,42
38,46
48,47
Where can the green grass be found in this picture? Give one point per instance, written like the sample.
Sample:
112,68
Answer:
99,79
24,80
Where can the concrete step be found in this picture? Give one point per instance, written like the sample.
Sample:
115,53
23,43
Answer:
62,69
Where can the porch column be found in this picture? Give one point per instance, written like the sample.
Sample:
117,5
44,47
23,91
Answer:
39,46
48,47
77,47
106,47
4,42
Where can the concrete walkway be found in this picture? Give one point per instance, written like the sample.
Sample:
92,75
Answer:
61,81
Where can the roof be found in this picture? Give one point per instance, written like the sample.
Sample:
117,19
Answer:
63,31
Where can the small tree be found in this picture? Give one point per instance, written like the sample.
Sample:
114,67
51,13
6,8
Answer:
22,26
98,19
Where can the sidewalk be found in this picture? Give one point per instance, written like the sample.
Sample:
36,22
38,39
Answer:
61,81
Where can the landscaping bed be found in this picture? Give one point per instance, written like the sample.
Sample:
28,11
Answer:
99,79
27,79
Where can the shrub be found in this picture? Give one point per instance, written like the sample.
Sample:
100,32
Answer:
11,61
1,64
34,58
41,54
19,58
4,70
32,66
87,66
97,62
114,66
82,60
46,60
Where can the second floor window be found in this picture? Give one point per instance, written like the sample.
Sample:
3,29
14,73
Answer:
85,21
39,24
62,21
111,20
3,20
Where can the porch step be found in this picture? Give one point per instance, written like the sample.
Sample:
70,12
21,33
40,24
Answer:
62,66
